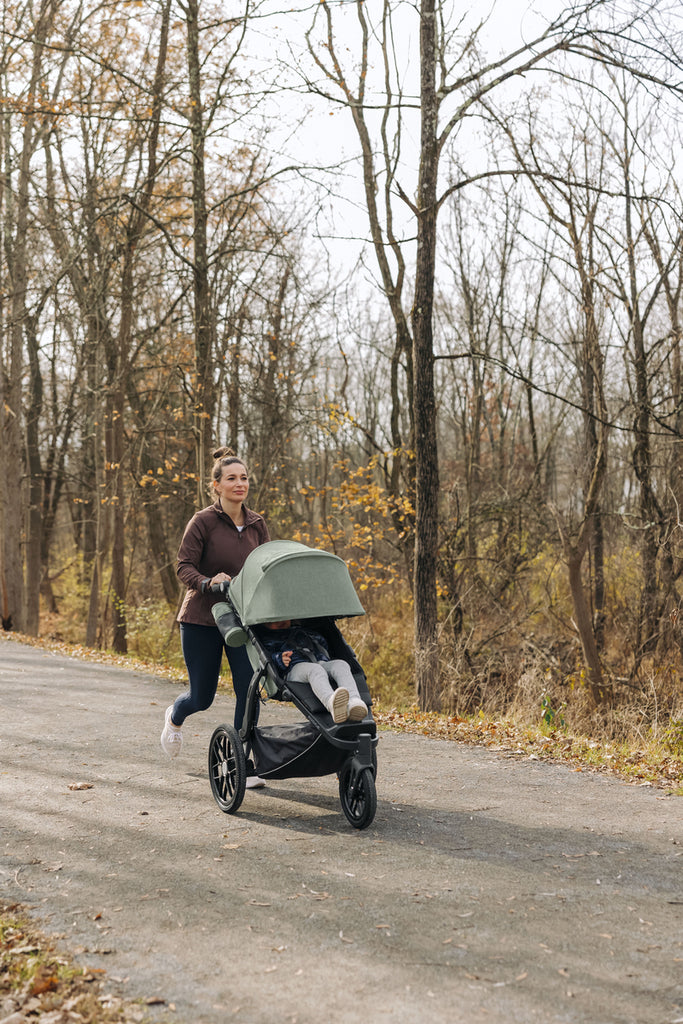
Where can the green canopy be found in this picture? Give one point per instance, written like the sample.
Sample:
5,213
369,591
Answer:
287,580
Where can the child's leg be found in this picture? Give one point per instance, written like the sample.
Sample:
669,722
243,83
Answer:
341,672
314,673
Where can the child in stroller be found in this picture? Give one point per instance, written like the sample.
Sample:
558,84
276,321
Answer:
302,655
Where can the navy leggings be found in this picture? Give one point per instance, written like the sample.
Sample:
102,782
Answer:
203,652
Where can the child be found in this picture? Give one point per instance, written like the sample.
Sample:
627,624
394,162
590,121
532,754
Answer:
303,656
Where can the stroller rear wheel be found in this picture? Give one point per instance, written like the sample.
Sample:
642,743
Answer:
227,768
358,795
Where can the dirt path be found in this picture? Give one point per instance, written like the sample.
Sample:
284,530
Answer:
487,889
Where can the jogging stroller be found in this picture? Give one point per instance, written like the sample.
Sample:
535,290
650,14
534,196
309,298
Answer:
287,580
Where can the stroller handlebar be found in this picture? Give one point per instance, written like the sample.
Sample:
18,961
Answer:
220,588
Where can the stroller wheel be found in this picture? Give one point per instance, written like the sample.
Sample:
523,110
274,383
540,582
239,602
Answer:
227,768
358,795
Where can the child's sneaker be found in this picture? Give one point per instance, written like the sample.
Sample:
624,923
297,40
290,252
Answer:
357,710
338,704
172,736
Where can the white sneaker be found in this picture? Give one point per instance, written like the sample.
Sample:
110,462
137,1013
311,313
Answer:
171,736
255,782
338,705
357,710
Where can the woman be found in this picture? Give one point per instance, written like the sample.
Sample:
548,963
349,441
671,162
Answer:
214,547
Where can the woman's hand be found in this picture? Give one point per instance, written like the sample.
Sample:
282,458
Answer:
286,658
220,577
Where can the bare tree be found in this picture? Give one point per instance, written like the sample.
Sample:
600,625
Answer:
19,594
629,239
454,80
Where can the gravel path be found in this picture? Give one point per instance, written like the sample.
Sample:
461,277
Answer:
488,888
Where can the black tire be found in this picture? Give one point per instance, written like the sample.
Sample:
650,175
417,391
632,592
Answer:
227,768
359,801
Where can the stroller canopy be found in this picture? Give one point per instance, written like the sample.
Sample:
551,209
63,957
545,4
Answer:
283,579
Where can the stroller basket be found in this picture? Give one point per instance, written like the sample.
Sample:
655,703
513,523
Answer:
294,751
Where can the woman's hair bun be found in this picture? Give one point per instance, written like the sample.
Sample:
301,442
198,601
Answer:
223,453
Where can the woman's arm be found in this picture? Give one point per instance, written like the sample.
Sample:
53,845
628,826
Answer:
190,555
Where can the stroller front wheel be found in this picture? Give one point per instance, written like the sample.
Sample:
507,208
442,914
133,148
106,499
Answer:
227,768
358,795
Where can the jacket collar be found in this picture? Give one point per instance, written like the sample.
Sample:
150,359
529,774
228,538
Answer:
249,516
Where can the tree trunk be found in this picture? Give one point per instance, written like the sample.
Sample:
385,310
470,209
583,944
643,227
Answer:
11,375
204,327
117,455
424,402
584,622
34,485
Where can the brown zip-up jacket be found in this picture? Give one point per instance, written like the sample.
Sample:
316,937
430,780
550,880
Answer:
212,543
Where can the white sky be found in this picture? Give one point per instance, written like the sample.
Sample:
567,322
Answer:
313,128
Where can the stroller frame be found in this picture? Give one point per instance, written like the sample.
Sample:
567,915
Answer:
347,748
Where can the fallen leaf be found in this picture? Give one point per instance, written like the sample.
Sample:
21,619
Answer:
80,785
41,985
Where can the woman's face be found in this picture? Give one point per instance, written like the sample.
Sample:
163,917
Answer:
233,486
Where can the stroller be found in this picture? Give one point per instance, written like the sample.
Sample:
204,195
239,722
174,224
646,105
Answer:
287,580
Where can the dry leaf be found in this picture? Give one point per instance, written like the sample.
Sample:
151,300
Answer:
41,985
80,785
